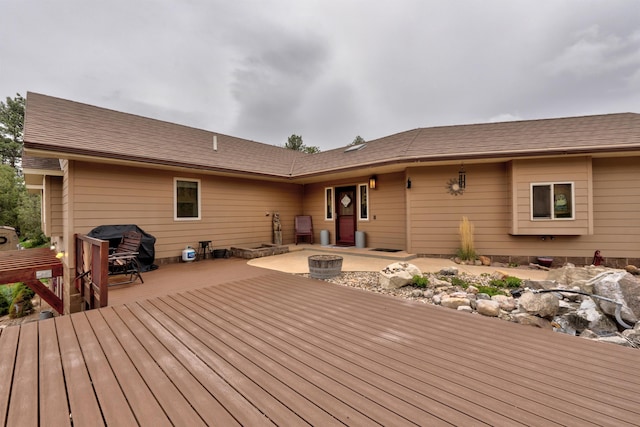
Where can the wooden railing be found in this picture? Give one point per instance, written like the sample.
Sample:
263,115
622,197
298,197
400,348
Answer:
92,267
33,267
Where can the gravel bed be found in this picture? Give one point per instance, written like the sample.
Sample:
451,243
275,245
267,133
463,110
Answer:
368,280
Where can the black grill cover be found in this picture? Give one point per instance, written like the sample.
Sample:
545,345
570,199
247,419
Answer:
113,233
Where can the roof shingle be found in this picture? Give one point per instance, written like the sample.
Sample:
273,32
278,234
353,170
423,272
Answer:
68,127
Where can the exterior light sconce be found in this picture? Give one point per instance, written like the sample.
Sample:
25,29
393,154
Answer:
408,182
373,181
462,178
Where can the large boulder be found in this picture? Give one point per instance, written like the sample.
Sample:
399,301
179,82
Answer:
544,305
489,308
397,275
621,287
588,316
570,275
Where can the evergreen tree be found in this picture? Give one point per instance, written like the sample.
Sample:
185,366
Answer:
11,129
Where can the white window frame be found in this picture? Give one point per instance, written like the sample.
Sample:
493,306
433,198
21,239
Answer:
329,200
551,200
175,199
366,190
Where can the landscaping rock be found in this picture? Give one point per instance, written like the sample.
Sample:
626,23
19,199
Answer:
595,320
542,305
484,260
621,287
506,303
454,302
449,271
570,275
397,275
632,269
489,308
531,320
465,308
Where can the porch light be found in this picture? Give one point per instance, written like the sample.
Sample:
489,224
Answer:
372,182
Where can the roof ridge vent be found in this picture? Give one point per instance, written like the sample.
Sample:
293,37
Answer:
355,147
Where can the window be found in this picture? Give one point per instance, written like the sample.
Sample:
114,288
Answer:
186,199
363,198
552,200
328,203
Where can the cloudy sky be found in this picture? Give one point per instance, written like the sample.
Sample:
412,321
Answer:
327,70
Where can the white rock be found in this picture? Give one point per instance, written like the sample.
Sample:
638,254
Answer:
488,308
454,302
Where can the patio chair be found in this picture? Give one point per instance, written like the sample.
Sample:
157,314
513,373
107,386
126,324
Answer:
124,259
303,227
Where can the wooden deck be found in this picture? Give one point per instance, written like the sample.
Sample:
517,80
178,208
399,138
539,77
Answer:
284,350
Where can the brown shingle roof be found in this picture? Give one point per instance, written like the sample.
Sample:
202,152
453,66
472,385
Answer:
69,127
74,128
588,134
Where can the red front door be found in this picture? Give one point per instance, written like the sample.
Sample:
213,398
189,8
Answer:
346,220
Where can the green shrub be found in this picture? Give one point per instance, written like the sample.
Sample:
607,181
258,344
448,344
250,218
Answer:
21,301
456,281
5,299
513,282
507,282
420,281
489,290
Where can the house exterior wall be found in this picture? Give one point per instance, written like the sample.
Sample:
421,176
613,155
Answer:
386,225
435,214
609,186
234,212
576,170
52,210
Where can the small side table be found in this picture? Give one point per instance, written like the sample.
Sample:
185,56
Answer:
204,249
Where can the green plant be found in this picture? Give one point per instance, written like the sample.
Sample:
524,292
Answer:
507,282
467,250
489,290
21,301
456,281
420,281
513,282
5,299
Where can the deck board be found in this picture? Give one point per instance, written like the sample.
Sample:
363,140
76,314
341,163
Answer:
54,409
532,388
25,384
285,350
9,338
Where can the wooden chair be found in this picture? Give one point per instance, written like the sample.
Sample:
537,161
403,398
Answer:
303,227
124,259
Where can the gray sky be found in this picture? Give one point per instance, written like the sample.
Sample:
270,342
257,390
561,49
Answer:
327,69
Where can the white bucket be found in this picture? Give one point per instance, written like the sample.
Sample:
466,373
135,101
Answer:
188,254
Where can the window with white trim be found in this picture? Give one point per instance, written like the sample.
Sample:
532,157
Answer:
186,199
552,200
328,203
363,202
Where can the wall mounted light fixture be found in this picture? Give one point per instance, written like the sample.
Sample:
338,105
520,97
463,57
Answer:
373,181
408,182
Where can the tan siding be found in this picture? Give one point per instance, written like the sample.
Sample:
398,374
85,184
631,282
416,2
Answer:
436,214
53,206
387,216
234,211
386,227
616,209
576,170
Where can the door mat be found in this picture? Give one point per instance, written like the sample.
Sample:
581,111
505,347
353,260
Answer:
386,250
